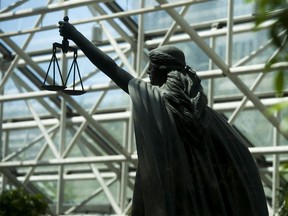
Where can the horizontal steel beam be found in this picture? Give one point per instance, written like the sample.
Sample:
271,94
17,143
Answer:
27,95
70,121
153,42
219,107
231,106
237,29
269,150
68,161
216,73
48,9
241,70
72,177
119,158
100,17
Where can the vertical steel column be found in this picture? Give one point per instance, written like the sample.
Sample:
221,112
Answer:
229,35
5,151
1,114
140,41
124,173
62,138
124,178
211,66
275,174
129,123
130,140
3,145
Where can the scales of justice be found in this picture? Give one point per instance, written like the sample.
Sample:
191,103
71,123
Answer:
54,67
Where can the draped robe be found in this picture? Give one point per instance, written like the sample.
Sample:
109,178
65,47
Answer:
218,178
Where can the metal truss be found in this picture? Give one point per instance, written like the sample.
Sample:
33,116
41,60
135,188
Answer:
74,146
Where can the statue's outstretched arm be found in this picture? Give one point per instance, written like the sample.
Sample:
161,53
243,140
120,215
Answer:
101,60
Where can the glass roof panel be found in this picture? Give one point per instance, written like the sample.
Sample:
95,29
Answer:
22,90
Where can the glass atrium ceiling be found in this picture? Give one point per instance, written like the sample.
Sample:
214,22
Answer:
79,151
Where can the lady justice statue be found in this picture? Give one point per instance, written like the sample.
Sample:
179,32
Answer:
191,161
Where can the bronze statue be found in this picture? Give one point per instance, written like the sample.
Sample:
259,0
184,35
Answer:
191,161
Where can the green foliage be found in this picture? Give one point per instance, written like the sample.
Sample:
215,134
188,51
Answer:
278,11
283,192
283,210
17,202
279,81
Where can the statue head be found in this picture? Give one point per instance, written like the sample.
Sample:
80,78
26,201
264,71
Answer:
183,90
163,60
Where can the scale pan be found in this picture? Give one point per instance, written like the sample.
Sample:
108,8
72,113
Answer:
73,92
53,87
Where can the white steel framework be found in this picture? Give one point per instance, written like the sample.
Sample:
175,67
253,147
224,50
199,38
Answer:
79,152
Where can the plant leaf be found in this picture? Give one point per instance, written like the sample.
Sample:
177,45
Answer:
279,83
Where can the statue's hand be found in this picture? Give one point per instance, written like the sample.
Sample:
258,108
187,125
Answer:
67,30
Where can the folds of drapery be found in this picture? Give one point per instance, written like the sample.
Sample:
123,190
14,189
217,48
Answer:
219,178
